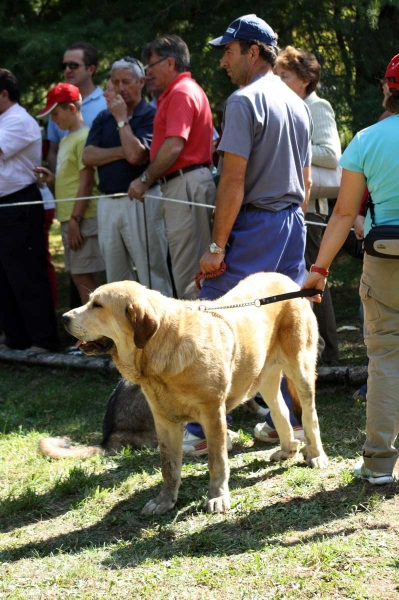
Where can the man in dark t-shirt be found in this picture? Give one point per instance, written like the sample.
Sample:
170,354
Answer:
118,145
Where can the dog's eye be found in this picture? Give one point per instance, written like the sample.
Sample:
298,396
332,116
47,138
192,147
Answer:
96,305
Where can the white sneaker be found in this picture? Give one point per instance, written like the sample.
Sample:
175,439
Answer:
361,471
196,446
267,434
262,411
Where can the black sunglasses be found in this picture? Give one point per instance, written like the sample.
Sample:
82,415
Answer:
134,61
71,65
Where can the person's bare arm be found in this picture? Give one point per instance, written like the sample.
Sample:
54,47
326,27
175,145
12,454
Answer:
166,157
229,199
344,214
93,156
86,176
135,151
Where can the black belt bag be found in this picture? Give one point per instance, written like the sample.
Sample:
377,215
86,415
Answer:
383,241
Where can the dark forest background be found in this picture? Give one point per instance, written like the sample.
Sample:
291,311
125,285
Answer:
353,41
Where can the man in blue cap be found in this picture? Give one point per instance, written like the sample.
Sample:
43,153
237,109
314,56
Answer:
265,180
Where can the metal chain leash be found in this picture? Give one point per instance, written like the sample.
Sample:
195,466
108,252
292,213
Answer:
263,301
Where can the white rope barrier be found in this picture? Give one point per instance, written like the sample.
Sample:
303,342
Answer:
121,195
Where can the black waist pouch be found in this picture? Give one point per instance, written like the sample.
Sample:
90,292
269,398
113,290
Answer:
382,241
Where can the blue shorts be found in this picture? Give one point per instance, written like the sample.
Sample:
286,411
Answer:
262,240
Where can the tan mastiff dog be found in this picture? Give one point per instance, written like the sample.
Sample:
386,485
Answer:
197,365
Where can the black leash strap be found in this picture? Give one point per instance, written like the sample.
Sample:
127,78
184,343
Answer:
299,294
262,301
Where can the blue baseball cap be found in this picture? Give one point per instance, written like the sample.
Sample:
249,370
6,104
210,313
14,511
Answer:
248,27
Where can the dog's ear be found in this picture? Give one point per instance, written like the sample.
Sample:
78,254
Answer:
145,323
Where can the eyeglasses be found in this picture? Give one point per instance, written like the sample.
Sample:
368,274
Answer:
149,66
71,65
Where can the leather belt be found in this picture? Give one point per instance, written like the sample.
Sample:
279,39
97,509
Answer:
249,207
16,196
182,172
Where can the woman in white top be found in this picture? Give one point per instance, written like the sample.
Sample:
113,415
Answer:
300,70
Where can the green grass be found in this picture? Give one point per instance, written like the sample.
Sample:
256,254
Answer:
73,529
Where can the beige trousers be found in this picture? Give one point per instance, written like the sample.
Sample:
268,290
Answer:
188,229
379,292
122,239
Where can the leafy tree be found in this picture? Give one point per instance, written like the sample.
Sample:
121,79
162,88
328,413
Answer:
354,40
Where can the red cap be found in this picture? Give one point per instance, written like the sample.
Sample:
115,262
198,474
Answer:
393,72
62,92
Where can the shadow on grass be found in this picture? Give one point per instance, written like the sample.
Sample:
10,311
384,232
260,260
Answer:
68,491
124,524
31,506
341,439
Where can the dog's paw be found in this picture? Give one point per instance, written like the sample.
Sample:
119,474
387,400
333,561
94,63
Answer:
316,459
220,504
157,507
284,454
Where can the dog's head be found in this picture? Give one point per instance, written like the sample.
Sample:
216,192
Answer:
116,315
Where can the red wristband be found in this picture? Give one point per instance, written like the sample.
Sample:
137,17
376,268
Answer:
314,269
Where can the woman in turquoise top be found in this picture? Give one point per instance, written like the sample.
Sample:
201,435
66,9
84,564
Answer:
373,157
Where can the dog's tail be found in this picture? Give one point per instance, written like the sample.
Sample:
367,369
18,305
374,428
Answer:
62,448
296,403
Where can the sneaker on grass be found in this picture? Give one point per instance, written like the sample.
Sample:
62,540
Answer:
264,433
374,477
196,446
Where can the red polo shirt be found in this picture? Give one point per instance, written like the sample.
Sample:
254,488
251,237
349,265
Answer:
183,110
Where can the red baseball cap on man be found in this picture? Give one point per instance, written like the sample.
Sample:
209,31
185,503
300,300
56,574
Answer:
62,92
392,73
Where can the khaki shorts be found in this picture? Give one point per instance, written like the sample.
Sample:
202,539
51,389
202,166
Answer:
88,259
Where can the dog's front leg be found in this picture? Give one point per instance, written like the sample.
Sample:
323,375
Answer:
215,430
170,438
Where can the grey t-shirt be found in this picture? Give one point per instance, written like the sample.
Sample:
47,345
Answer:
269,125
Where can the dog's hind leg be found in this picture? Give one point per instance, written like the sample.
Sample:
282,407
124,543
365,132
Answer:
301,383
270,390
215,430
170,437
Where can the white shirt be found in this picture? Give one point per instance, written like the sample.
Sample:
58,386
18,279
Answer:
20,149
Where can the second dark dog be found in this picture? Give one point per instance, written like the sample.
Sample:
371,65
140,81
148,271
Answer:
128,423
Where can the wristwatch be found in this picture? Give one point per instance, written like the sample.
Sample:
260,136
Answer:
215,249
144,177
77,218
122,124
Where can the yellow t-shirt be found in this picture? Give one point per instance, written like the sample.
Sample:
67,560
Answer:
69,165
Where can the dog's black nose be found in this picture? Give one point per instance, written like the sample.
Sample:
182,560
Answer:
66,318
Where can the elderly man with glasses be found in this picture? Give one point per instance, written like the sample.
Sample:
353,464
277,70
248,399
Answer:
181,153
132,236
79,65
